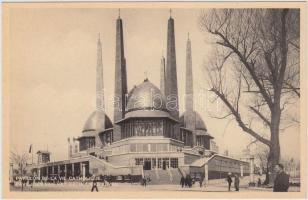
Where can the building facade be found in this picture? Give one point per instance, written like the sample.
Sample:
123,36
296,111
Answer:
148,136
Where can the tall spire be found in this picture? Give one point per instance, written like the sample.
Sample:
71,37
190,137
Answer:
120,89
190,116
100,104
189,104
171,74
163,75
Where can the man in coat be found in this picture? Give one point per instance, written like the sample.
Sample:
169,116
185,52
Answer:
229,180
236,182
182,182
94,184
281,183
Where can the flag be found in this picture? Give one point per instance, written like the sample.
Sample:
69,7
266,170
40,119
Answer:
30,149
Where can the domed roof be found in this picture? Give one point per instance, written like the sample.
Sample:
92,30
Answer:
145,96
199,123
95,122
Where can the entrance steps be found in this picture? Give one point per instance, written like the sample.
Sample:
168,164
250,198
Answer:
168,176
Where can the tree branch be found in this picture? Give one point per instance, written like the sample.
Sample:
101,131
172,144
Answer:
260,115
248,66
238,118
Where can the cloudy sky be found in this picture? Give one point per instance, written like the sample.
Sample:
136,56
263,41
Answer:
53,65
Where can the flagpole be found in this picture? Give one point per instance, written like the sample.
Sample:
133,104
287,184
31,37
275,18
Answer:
32,154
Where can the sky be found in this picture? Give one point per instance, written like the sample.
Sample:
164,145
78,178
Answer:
53,65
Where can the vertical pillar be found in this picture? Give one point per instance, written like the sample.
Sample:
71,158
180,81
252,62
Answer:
83,172
47,169
80,169
242,170
52,169
206,174
65,170
142,173
58,170
156,167
73,170
251,169
39,173
11,174
169,162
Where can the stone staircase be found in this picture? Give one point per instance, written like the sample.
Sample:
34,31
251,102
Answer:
169,176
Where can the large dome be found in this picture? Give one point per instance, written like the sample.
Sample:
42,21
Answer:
146,96
199,123
95,122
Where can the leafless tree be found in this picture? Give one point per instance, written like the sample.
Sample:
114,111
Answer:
20,160
255,69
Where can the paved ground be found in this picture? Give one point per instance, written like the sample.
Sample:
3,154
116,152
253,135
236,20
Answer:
213,186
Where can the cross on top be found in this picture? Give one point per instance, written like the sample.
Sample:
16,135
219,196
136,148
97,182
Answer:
145,74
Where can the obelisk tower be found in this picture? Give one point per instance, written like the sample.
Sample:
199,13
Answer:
189,104
171,74
189,117
163,76
100,104
120,89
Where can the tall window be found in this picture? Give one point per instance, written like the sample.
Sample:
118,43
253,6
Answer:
153,163
139,161
159,163
142,127
166,162
174,163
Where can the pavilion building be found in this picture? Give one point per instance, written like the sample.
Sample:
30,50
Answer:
147,137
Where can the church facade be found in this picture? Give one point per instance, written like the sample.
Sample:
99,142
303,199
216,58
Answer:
147,137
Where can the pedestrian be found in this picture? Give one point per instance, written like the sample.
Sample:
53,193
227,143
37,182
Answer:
229,180
259,182
201,181
144,182
149,179
109,180
189,179
281,183
94,185
236,182
186,181
182,182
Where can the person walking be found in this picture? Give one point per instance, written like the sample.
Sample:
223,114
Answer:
281,183
229,180
259,182
236,182
189,181
94,185
144,182
201,181
182,182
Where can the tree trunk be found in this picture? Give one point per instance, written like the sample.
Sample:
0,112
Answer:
274,154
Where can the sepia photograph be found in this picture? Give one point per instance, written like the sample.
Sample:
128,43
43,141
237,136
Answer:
165,100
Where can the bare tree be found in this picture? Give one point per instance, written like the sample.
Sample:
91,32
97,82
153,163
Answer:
255,70
20,160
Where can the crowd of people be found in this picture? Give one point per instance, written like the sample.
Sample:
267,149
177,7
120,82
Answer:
186,181
281,182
